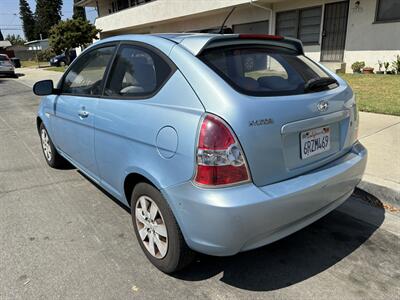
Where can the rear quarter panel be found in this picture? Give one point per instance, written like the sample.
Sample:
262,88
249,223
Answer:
127,136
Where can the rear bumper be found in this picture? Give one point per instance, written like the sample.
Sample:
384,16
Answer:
230,220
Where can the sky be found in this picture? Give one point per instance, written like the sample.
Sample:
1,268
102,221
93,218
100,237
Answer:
10,22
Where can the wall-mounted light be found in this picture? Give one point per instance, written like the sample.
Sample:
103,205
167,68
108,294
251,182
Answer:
357,6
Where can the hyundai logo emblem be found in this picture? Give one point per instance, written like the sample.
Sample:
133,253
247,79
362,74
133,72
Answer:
322,105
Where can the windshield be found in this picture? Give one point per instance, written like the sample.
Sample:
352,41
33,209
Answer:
3,58
264,71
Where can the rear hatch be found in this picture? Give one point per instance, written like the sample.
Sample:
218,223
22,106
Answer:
290,114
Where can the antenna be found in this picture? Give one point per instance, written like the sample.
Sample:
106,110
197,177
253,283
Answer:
221,30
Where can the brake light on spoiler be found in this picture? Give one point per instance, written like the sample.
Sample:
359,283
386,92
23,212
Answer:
261,37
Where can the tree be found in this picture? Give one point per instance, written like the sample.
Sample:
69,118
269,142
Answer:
72,33
15,39
1,36
47,14
79,12
28,21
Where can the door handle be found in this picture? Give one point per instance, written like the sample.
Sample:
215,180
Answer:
83,114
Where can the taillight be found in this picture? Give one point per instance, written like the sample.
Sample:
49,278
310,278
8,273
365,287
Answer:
220,159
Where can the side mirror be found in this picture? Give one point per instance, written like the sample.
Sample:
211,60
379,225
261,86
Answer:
44,88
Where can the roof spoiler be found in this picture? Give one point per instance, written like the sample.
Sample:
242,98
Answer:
197,43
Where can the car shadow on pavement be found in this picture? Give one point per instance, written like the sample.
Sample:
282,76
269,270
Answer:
291,260
17,75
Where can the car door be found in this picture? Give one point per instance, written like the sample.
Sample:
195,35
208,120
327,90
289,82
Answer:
138,123
75,107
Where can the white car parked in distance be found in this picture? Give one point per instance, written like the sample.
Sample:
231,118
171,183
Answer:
6,66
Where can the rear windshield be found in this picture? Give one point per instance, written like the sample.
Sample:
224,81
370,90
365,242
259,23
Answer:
264,71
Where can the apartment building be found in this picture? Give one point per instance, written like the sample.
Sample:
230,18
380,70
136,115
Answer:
335,33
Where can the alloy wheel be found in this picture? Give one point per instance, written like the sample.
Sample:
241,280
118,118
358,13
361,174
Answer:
46,145
151,227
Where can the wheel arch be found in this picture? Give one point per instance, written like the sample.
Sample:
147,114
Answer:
39,121
131,180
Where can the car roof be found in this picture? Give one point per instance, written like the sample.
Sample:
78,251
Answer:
196,42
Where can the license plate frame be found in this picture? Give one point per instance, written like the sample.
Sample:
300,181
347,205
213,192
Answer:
315,141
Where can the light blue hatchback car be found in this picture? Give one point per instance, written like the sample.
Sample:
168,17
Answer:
218,143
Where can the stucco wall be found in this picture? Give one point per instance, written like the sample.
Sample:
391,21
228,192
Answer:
243,14
160,11
367,41
104,6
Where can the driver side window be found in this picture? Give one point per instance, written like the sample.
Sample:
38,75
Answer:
86,75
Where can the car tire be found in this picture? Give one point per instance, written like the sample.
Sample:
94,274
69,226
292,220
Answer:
53,158
62,64
177,254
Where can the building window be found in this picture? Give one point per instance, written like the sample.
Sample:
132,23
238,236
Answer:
303,24
118,5
387,11
261,27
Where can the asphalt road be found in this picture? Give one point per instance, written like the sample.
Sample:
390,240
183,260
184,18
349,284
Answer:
61,237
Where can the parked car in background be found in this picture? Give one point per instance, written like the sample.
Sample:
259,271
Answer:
63,59
6,66
218,143
16,62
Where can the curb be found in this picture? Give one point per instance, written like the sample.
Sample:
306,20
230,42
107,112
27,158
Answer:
386,191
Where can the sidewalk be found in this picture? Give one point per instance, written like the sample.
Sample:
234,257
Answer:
380,134
29,76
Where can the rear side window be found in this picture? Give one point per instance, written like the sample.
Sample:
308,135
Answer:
263,71
137,72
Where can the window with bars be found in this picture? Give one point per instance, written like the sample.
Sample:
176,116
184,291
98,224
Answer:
303,24
387,11
118,5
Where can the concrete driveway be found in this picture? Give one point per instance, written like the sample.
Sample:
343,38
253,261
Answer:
61,237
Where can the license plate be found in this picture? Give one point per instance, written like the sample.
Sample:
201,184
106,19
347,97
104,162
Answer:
315,141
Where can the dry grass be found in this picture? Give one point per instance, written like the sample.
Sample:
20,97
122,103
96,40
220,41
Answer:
33,64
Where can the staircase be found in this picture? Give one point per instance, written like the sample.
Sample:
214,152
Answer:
337,67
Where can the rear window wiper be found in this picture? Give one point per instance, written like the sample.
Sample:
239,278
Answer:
320,84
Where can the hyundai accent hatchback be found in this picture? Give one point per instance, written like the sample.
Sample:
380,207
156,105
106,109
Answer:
218,143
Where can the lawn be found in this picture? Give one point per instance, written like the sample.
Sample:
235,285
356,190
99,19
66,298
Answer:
33,64
376,93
